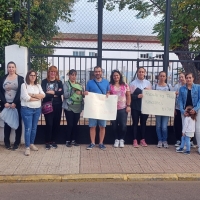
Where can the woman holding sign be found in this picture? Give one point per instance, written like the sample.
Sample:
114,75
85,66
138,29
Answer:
162,121
136,87
73,105
121,89
189,95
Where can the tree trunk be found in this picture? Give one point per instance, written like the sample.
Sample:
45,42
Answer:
188,64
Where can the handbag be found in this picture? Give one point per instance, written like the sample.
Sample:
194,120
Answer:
47,107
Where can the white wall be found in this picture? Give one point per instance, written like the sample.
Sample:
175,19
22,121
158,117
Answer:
19,55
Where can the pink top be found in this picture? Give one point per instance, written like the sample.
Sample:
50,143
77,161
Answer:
121,93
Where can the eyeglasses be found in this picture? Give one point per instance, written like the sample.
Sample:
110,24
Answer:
32,75
115,70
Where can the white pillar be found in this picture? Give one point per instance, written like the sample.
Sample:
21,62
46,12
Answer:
19,55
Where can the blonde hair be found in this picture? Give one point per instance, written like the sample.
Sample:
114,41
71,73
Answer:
53,68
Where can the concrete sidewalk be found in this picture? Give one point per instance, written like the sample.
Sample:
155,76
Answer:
77,163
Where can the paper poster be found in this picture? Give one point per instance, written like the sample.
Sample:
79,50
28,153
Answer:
156,102
98,106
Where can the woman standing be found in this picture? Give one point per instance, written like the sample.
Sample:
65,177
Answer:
73,105
136,88
162,121
177,114
10,88
189,95
53,89
121,89
31,95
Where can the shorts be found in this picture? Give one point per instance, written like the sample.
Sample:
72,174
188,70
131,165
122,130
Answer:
95,122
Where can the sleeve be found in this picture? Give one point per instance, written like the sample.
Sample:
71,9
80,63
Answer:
44,83
17,96
40,90
66,90
175,88
108,88
24,93
197,107
127,87
185,125
180,101
132,87
2,91
150,86
60,86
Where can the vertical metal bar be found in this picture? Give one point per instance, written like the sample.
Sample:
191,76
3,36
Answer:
167,35
100,28
29,25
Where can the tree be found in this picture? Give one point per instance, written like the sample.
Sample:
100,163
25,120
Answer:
44,15
184,22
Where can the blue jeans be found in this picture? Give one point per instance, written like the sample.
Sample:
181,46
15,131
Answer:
161,127
30,118
185,140
119,125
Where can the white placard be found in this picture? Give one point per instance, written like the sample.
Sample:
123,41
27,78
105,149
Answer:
98,106
156,102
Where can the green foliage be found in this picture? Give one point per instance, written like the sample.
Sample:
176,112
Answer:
184,20
44,15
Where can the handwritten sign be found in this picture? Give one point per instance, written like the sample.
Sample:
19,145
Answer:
156,102
98,106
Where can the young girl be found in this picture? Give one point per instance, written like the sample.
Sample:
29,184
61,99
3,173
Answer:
188,130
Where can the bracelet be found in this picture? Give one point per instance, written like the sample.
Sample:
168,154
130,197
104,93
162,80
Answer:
128,106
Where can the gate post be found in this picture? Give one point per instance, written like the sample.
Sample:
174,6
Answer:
99,36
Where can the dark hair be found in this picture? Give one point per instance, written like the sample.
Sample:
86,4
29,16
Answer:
97,67
181,73
162,72
28,79
121,81
190,73
11,62
72,71
188,109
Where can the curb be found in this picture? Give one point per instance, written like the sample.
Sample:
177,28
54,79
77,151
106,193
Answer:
99,177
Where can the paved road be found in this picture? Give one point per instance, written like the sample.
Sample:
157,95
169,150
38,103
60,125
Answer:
101,191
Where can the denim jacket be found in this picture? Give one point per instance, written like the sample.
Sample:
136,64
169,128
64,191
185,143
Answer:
182,97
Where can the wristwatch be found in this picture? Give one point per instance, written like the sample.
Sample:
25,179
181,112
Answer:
128,106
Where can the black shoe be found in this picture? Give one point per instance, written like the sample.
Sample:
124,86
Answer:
8,147
54,145
15,147
68,144
74,143
48,146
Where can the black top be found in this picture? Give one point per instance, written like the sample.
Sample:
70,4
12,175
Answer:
53,86
16,100
136,102
189,99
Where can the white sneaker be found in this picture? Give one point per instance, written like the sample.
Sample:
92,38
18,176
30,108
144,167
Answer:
33,147
192,145
178,143
121,143
116,143
184,148
27,151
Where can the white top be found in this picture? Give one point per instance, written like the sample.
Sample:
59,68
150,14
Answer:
189,127
167,87
25,98
176,89
141,84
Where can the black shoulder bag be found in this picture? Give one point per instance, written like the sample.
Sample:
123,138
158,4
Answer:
98,87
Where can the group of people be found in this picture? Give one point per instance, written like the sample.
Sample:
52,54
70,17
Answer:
28,98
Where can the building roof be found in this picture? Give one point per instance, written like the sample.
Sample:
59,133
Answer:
107,38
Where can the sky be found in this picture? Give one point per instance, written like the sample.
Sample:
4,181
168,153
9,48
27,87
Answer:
84,18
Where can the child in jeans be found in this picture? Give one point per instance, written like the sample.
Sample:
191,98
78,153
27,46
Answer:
188,130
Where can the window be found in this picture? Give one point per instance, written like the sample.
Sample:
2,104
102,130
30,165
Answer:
145,55
159,56
91,53
78,53
75,53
